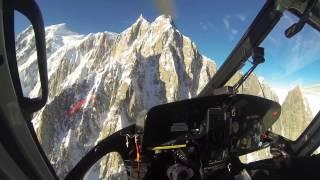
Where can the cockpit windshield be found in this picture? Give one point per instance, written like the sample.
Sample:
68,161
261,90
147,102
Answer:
110,61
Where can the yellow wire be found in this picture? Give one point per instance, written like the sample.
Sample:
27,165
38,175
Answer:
169,147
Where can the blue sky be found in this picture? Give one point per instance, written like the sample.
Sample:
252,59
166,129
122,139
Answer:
215,27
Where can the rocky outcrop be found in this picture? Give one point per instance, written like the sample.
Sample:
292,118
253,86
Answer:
295,115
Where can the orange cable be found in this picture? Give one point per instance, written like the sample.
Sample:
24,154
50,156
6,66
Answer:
138,156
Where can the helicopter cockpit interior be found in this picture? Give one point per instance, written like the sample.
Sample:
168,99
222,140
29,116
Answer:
197,138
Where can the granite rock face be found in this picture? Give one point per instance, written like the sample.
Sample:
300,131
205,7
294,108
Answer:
100,82
295,116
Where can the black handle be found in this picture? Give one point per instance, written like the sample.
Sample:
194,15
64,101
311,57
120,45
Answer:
114,143
30,10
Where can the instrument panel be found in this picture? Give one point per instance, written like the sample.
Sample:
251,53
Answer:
223,124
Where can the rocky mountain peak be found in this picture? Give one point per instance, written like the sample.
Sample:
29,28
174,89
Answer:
24,33
296,96
296,92
165,19
59,30
138,27
141,19
295,115
141,27
100,82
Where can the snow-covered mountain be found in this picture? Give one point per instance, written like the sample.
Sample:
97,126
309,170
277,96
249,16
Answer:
101,82
58,38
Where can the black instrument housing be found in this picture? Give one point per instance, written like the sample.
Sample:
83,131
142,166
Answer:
218,123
